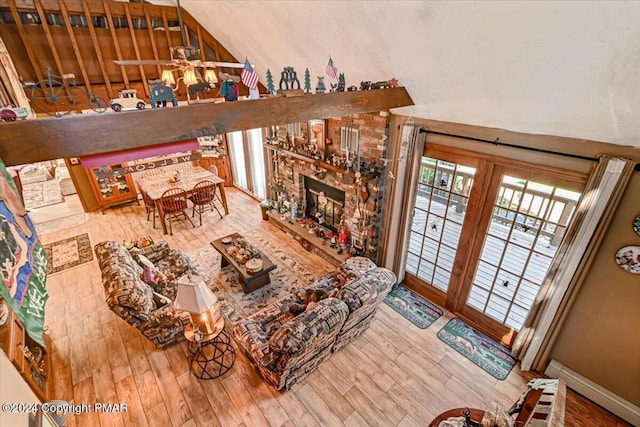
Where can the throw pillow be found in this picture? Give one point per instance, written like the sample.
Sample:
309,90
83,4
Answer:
150,274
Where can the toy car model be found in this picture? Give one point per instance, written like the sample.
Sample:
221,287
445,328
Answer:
127,100
10,113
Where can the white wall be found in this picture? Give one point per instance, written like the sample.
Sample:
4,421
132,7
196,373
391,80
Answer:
559,68
13,389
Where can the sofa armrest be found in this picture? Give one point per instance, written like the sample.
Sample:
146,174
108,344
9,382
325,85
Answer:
372,286
154,252
322,318
251,336
167,316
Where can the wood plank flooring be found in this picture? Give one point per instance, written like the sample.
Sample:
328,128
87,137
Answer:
394,374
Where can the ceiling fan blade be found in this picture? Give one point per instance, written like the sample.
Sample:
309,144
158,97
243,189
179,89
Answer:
221,64
144,62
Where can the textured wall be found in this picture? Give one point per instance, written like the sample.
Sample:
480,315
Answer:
557,68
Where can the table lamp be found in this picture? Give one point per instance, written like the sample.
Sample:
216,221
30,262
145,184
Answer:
195,297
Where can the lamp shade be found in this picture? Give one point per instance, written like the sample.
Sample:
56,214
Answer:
167,77
190,78
193,295
210,76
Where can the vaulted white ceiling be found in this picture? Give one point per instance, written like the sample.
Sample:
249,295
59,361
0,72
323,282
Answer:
557,68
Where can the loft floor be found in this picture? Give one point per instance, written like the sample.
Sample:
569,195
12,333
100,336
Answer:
395,374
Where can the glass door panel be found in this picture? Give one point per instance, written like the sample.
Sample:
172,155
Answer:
441,201
526,227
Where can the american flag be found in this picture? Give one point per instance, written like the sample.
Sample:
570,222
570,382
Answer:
332,71
249,76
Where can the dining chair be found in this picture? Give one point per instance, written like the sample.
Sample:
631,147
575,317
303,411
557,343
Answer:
149,206
184,167
173,203
203,196
214,170
154,172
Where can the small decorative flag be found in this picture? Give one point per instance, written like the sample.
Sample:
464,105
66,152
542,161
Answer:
249,76
332,71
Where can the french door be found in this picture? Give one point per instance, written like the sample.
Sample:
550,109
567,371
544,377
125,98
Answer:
484,233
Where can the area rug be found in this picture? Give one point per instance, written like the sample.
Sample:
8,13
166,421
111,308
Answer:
477,347
62,223
68,253
291,274
412,306
41,194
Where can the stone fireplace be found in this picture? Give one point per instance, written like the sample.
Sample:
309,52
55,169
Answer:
354,195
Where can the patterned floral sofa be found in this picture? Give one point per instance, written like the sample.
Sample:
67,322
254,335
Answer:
285,348
134,300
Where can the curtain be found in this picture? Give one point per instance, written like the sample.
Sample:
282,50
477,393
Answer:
595,210
408,159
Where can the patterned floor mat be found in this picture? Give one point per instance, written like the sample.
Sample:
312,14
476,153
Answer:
412,306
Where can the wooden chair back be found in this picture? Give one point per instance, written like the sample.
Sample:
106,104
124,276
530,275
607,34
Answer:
174,200
203,192
213,169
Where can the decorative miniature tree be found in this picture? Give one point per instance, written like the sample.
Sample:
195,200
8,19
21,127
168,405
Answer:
307,81
270,87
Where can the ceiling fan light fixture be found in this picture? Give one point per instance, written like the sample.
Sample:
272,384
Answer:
190,77
210,76
167,77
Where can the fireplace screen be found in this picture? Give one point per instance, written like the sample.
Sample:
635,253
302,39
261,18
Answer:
324,201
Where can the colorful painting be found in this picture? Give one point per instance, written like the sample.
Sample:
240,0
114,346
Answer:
636,225
23,261
628,258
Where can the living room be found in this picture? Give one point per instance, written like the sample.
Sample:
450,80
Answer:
392,374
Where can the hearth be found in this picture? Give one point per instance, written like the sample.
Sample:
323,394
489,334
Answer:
323,201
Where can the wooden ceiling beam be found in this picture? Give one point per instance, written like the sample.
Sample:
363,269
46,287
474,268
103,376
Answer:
96,47
74,44
30,141
116,43
25,40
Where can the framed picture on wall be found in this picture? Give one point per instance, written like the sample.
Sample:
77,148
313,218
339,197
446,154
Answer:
317,134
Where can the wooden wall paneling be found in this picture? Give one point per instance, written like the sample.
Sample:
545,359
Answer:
152,38
74,43
200,42
47,33
165,23
116,43
25,40
96,47
136,49
21,141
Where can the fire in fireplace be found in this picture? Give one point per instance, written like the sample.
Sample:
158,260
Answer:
323,201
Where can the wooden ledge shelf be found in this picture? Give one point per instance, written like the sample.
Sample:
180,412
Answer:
30,141
307,240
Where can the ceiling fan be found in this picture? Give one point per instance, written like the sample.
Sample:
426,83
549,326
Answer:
186,59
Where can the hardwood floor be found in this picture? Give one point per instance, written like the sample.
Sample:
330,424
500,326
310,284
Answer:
395,374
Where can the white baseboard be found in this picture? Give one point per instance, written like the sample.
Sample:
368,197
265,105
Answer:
603,397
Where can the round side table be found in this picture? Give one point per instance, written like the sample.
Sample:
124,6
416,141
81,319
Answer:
211,356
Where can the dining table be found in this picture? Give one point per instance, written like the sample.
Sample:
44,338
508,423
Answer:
156,185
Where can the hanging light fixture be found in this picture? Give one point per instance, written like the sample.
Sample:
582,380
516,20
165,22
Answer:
167,77
190,77
210,76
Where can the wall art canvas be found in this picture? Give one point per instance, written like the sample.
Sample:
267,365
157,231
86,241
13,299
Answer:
636,225
628,258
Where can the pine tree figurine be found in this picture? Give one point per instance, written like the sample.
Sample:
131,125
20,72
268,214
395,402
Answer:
307,81
270,87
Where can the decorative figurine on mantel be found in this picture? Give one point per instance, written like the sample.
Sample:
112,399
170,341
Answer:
341,82
289,83
270,86
320,88
229,88
307,81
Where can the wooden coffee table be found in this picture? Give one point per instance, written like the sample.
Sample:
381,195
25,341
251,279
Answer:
249,282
